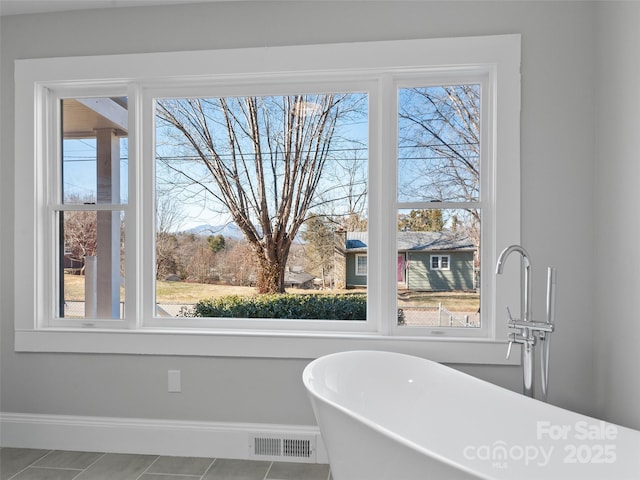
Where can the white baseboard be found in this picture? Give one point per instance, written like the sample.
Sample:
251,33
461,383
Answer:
144,436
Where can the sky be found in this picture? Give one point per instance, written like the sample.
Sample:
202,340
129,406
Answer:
348,156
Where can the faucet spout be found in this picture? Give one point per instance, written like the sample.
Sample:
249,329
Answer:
526,337
527,332
527,277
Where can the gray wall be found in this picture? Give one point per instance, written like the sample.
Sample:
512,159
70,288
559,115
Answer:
558,174
617,167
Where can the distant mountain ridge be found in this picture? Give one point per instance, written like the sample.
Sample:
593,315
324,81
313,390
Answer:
230,230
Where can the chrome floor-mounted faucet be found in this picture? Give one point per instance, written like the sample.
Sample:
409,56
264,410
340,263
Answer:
527,332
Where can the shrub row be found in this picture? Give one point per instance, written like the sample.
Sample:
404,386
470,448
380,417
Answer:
290,306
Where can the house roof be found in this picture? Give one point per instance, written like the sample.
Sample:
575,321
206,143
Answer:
297,278
414,241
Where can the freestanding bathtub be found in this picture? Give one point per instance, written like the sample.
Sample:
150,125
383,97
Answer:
387,416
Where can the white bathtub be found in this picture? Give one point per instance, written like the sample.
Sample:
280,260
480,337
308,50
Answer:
396,417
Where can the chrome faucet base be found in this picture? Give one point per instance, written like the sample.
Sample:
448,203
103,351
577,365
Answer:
527,332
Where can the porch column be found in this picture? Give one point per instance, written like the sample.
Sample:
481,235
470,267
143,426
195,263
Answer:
108,224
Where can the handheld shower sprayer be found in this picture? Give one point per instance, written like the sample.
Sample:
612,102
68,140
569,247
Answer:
545,337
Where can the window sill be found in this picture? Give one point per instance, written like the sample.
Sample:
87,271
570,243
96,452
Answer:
234,343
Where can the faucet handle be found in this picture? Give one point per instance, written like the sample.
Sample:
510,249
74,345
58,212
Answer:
509,314
513,338
509,349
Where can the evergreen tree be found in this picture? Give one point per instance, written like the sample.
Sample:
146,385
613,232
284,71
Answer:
429,220
216,243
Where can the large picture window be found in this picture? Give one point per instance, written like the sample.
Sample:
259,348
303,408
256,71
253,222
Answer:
332,199
250,192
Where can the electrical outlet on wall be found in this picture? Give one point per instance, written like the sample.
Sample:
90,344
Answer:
174,381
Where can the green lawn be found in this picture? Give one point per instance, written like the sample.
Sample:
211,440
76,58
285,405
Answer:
190,293
453,301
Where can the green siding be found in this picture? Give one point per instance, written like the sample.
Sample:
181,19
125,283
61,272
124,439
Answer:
421,277
458,277
352,278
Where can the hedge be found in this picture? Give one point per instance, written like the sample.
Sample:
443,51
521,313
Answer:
287,306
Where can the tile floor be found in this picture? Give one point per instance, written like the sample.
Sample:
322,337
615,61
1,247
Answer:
31,464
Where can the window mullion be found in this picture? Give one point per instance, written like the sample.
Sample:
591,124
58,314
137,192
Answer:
52,193
146,257
132,238
384,200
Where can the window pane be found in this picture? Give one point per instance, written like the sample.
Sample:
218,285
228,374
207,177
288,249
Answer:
439,143
94,150
438,267
361,265
91,264
93,171
257,195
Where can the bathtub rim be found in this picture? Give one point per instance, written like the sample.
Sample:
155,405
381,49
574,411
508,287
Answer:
477,473
306,377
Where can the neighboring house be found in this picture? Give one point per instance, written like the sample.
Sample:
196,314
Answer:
71,264
296,277
428,261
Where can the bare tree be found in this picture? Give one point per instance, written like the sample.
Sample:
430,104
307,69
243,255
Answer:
262,160
168,218
238,264
348,179
201,264
169,213
80,235
439,146
319,238
440,139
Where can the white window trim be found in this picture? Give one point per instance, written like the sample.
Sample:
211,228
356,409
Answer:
498,55
357,264
440,257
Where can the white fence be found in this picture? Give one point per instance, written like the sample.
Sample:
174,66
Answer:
436,316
